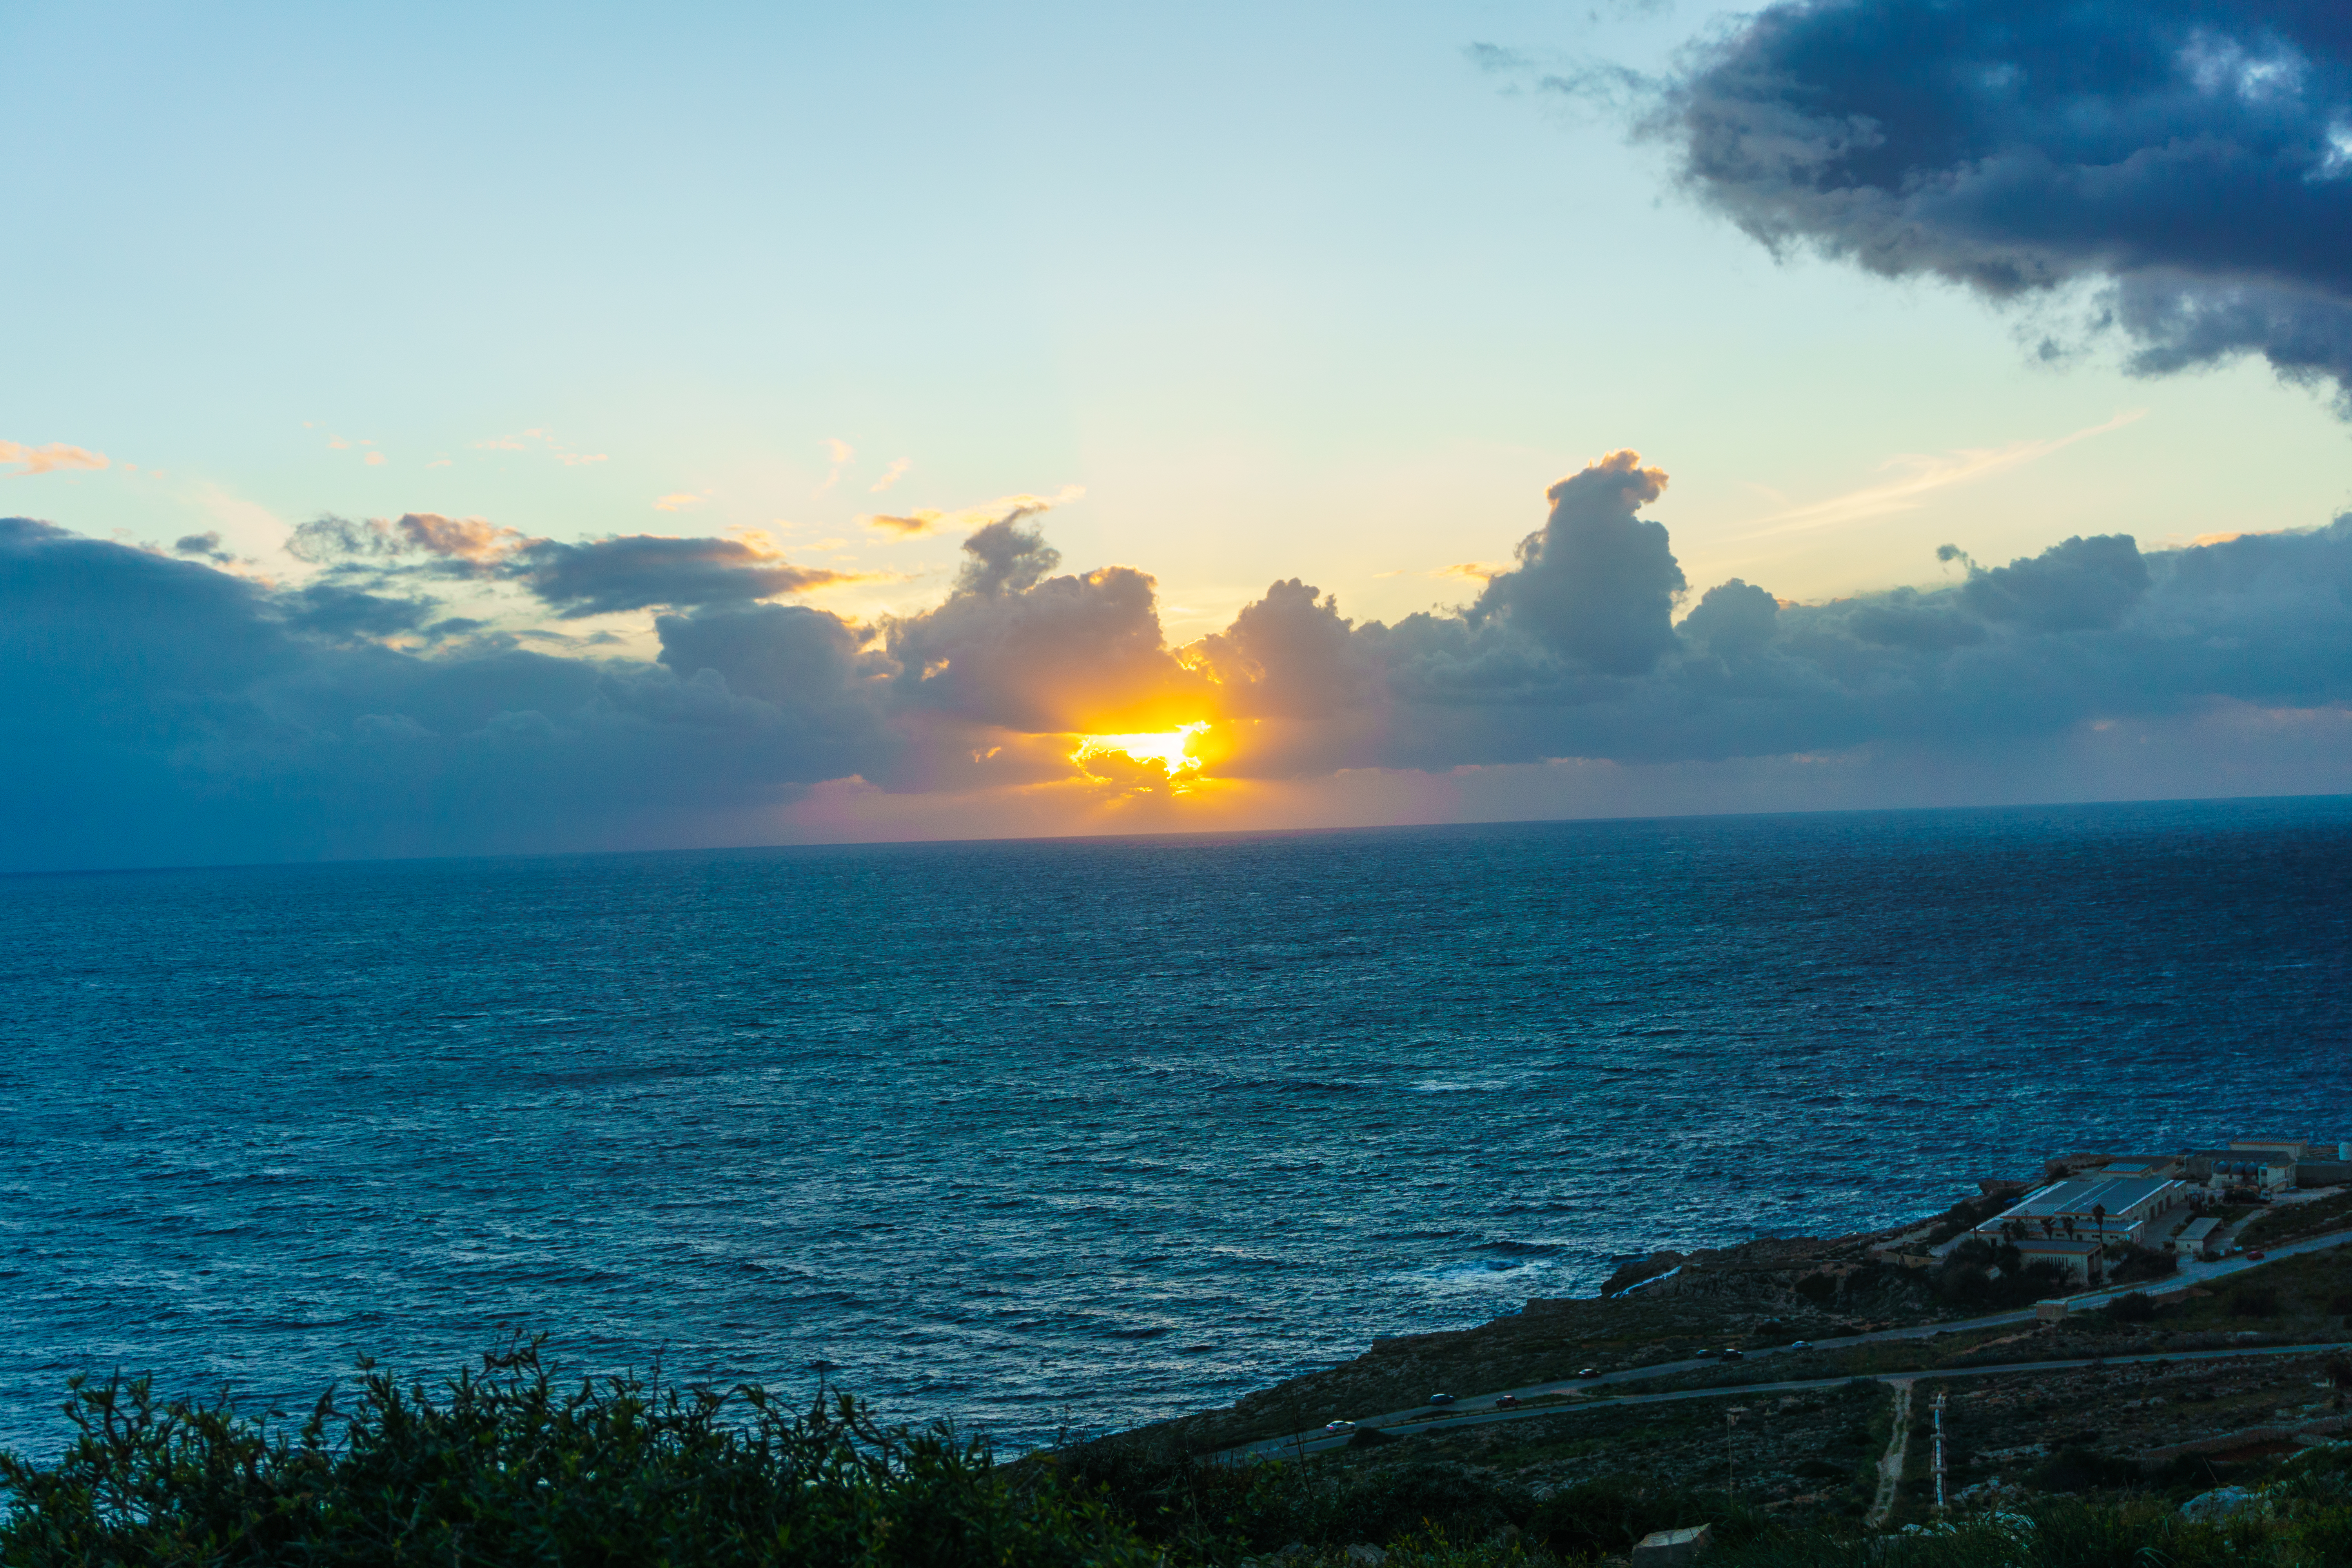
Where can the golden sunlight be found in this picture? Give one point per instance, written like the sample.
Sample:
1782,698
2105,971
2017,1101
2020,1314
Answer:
1166,747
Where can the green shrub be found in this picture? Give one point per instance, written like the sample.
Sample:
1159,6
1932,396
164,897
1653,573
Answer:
2138,1263
1608,1515
503,1467
2254,1301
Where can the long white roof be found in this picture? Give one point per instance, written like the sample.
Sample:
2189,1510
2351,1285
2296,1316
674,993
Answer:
2082,1193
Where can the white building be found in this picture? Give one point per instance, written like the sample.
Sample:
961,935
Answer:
2196,1238
2093,1207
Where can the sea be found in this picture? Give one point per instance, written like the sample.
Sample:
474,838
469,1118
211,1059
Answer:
1050,1138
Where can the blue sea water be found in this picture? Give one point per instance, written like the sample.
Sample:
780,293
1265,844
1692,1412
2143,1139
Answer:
1076,1134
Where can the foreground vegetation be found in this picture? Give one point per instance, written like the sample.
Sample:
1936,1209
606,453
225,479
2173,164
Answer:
508,1467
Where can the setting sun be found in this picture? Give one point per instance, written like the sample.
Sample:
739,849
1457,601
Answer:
1166,747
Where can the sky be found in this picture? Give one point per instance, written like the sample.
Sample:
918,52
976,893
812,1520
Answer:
434,430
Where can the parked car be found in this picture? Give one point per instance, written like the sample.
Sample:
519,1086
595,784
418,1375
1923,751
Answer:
1338,1426
1440,1399
1708,1355
1508,1402
1590,1372
1730,1355
1801,1344
2255,1255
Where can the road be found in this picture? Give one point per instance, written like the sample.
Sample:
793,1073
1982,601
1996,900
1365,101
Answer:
1317,1442
1420,1418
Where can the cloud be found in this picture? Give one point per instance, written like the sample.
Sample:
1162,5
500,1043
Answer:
602,576
838,453
1928,474
899,469
468,542
49,460
1596,582
2189,161
206,546
608,575
1016,646
173,713
539,440
678,500
916,524
159,708
1288,655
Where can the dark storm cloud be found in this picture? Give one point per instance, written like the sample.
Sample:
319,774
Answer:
2194,157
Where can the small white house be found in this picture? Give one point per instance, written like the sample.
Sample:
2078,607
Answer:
2196,1239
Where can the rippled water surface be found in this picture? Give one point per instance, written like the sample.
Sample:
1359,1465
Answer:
1088,1132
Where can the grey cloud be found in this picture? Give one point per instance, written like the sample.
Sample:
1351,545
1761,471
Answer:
1016,647
2090,629
1288,655
1596,583
203,546
640,571
2080,586
1733,620
603,576
331,609
161,710
468,545
1006,558
2190,156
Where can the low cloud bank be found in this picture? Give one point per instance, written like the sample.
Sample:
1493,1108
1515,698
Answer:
2191,160
161,707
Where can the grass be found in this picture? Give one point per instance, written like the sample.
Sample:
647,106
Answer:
2294,1221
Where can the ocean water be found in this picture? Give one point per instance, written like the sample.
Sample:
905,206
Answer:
1048,1136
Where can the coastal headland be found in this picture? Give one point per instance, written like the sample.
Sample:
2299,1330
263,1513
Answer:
2207,1330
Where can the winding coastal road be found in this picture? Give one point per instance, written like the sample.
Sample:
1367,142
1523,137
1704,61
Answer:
1479,1409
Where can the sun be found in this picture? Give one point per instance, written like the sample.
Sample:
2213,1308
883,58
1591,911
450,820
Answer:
1165,747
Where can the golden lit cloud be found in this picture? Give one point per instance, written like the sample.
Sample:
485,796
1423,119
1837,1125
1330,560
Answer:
916,524
1170,748
1475,571
678,500
891,475
49,460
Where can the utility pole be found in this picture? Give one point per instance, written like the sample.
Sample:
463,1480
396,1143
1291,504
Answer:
1939,1450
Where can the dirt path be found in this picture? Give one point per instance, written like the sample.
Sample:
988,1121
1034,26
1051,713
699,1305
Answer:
1890,1465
